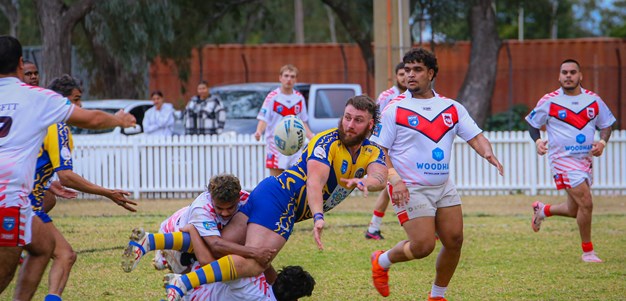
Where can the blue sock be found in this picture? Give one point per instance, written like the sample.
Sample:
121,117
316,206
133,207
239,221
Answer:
51,297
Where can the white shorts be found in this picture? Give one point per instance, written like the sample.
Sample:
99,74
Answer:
16,229
425,200
572,178
276,160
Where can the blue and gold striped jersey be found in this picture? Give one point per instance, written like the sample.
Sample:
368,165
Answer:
326,147
55,154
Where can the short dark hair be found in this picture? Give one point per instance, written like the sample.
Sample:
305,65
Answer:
10,54
571,61
292,283
399,67
203,82
365,103
224,188
156,92
26,62
421,55
64,85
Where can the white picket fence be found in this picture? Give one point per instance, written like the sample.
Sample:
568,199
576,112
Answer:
181,166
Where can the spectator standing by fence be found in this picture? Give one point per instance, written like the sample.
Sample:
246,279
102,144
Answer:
159,120
204,114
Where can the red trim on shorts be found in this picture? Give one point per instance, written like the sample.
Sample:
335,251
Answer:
403,217
11,228
562,181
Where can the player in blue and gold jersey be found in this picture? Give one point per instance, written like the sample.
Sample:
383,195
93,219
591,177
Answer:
55,156
334,163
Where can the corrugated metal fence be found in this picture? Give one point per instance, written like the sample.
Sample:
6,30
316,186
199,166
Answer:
181,166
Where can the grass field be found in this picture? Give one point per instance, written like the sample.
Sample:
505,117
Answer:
502,258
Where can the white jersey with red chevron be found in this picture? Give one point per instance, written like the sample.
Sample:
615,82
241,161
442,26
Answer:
201,214
276,106
419,134
26,112
571,123
243,289
386,96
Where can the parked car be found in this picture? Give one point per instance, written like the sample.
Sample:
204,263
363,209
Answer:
325,103
136,107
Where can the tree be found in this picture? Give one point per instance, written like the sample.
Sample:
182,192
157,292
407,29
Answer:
56,22
10,8
477,88
357,18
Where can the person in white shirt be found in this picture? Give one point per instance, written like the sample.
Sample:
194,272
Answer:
159,120
281,102
417,131
373,230
25,114
571,115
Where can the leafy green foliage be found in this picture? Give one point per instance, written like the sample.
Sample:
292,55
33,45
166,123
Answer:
510,120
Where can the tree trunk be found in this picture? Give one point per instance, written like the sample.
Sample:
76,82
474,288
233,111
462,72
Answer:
56,22
477,88
11,9
357,31
298,21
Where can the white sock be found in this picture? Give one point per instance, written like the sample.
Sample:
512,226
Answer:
542,213
437,291
383,260
375,224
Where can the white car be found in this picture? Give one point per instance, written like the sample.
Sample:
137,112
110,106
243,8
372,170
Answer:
136,107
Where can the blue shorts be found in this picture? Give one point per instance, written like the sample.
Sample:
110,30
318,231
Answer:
272,207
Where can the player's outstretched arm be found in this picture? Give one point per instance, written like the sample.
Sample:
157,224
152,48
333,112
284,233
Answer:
483,147
375,181
72,180
317,176
218,245
94,119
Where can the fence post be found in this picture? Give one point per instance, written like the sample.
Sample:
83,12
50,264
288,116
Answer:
136,166
533,161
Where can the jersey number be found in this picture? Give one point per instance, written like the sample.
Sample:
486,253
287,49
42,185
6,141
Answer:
5,125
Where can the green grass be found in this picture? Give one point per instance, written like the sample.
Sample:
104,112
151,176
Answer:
502,258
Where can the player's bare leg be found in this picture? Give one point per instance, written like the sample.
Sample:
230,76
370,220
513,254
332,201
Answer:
449,224
421,240
9,257
64,258
39,254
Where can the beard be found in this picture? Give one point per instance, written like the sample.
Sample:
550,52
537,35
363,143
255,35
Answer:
401,86
351,141
575,84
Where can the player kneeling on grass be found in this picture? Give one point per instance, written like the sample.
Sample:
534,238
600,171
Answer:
208,214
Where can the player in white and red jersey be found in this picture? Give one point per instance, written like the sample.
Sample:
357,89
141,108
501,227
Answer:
208,214
25,114
281,102
417,131
571,115
373,230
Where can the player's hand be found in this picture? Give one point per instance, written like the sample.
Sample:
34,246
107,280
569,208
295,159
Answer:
494,161
57,189
399,194
359,183
597,149
257,135
119,198
542,147
264,256
128,120
317,233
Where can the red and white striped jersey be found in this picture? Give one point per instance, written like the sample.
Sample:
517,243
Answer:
419,134
202,215
243,289
278,105
386,96
26,112
571,123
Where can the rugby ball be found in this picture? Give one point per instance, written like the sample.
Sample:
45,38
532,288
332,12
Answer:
289,135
